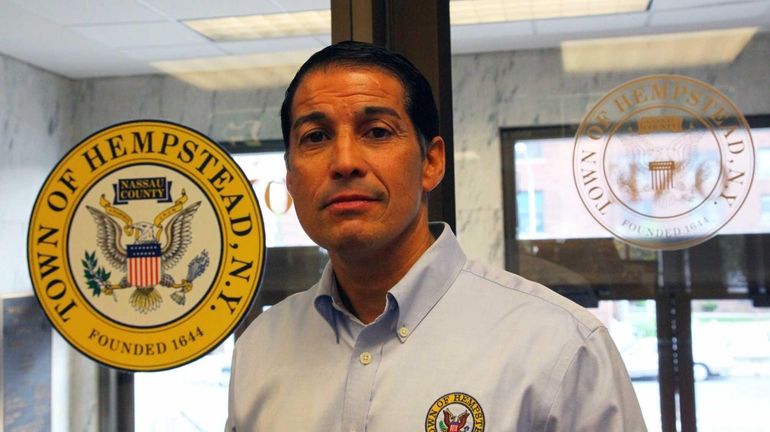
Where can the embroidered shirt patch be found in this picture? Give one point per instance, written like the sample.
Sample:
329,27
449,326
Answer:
455,412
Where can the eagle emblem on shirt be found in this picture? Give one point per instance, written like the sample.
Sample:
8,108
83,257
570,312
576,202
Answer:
144,252
455,412
454,423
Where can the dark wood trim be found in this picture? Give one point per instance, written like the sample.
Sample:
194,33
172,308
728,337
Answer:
342,20
666,376
397,24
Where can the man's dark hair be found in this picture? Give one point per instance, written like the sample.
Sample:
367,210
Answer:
420,105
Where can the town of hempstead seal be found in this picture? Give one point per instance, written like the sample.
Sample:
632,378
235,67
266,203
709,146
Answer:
146,245
455,412
663,161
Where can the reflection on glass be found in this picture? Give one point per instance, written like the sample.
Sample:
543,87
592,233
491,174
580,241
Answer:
267,173
763,160
764,217
632,327
567,250
529,209
188,398
681,49
540,170
731,365
464,12
543,165
210,374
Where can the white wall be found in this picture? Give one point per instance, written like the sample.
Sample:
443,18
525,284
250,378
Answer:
35,128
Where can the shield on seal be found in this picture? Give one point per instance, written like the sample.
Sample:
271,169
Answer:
144,264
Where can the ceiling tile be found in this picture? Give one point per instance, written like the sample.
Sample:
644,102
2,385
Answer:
495,30
94,66
324,40
489,37
301,5
72,12
590,24
660,5
72,56
90,38
39,42
190,9
18,22
710,14
271,45
766,19
174,52
140,34
504,44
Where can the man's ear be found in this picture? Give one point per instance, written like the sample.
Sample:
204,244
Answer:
289,176
433,165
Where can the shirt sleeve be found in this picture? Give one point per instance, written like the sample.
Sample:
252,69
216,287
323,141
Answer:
229,427
596,392
230,423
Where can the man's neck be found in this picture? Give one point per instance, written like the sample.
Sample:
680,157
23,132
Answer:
365,279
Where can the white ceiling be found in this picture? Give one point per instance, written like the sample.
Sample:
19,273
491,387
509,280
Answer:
96,38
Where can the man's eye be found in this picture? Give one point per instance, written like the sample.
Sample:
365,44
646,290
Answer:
378,132
315,136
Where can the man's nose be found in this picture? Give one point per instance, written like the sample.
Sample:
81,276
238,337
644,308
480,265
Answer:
348,158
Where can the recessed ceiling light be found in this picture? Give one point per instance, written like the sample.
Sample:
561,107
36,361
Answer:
463,12
655,51
263,26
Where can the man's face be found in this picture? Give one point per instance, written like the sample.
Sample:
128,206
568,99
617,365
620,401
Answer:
355,169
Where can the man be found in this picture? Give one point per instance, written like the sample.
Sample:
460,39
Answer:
402,332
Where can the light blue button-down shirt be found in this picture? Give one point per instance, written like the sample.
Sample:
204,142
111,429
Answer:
459,347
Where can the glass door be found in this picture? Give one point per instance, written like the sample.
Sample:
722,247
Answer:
552,240
525,74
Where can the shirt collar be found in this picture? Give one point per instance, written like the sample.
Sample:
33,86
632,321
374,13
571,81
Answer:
416,293
324,298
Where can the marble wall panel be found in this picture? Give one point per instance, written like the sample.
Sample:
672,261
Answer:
222,115
36,130
35,124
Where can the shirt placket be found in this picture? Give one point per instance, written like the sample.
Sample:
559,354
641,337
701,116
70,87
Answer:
365,360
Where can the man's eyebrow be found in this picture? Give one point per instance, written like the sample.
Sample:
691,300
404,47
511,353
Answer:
374,110
309,118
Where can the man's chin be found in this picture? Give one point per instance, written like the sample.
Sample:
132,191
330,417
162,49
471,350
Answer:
350,241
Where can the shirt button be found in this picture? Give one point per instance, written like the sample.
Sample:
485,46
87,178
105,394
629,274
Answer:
365,358
403,332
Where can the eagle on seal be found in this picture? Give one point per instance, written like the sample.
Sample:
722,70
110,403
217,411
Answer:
146,261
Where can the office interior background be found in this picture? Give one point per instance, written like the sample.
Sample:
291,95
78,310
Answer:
693,325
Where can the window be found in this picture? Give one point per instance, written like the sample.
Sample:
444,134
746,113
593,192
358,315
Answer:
527,150
763,161
764,217
529,205
557,243
288,245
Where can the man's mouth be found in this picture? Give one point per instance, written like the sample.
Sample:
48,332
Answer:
349,201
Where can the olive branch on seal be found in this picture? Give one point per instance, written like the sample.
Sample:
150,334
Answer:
96,277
